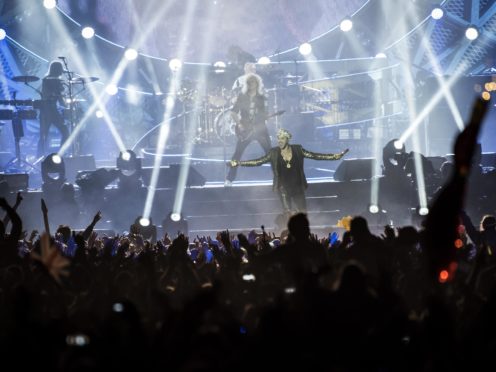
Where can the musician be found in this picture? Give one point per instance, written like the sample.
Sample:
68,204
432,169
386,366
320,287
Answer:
52,90
287,166
249,68
249,113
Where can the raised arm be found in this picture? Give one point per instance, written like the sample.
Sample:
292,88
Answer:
250,163
320,156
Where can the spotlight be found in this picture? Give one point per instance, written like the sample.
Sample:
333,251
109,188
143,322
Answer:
3,34
423,211
88,32
56,159
486,96
437,13
305,49
111,90
144,222
131,54
175,223
346,25
49,4
53,169
99,114
381,55
373,208
219,67
126,156
128,164
398,145
129,168
471,33
175,64
263,60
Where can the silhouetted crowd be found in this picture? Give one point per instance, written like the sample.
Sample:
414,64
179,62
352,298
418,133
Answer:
408,300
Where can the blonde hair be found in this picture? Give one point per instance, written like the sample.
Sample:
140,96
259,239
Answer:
260,89
284,133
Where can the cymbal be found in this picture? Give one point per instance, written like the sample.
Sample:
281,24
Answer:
83,80
25,78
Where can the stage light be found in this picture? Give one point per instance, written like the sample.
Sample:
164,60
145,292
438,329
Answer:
305,49
423,211
128,165
99,114
346,25
174,223
53,169
111,90
263,60
486,96
175,64
88,32
398,145
437,13
56,159
471,33
144,222
381,55
49,4
131,54
373,208
126,156
219,67
3,34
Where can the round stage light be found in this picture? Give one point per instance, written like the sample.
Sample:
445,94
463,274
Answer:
373,208
111,90
99,114
346,25
131,54
219,67
305,49
437,13
175,216
398,145
263,60
88,32
49,4
423,211
56,159
144,221
381,55
471,33
126,155
486,96
175,64
3,34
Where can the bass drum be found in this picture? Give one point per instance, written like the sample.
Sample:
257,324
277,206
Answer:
225,127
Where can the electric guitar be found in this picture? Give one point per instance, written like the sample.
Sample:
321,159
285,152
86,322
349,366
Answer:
247,128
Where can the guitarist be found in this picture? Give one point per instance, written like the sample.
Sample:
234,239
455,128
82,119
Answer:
249,113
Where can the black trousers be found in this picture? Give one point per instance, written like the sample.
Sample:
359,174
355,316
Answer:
48,116
293,201
262,138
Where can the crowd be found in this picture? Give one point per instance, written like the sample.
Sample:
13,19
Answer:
410,299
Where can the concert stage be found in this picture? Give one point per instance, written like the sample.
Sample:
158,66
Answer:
213,207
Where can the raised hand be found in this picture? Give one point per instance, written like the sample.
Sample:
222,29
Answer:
98,217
